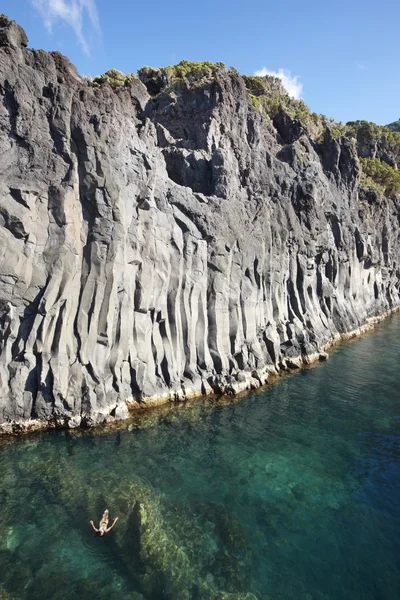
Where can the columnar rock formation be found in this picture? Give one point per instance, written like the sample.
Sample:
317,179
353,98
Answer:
156,247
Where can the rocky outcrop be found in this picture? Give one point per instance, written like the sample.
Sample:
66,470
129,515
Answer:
376,142
158,247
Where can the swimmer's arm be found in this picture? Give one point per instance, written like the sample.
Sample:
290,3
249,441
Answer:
92,524
109,529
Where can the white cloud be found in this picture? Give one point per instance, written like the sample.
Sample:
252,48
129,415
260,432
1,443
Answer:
71,12
292,84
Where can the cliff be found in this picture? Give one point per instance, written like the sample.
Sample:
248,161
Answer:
162,237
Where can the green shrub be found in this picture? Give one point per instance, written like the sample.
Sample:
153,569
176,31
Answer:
365,131
112,77
395,126
268,96
267,106
4,20
256,85
336,129
192,72
380,175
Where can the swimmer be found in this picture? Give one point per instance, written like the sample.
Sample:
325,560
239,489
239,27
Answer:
103,527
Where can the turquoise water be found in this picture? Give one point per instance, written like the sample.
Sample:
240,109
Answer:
289,493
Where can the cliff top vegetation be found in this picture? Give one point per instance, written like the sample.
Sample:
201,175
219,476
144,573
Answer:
268,95
395,126
381,176
112,77
163,78
378,146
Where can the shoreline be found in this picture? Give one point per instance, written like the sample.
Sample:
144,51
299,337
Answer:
249,381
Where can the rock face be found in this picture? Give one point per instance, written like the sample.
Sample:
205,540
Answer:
157,247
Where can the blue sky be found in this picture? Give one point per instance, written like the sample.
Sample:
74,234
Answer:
342,57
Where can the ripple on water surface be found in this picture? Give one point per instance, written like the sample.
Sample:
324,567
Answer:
289,493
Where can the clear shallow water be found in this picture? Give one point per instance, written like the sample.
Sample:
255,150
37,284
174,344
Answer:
292,492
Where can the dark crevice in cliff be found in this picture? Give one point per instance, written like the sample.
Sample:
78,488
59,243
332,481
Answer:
135,389
92,373
58,329
13,224
16,194
11,105
189,170
292,301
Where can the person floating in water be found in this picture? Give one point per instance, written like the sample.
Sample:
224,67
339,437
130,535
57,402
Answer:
103,527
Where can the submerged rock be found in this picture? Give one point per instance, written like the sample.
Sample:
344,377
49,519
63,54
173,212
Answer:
153,245
162,545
